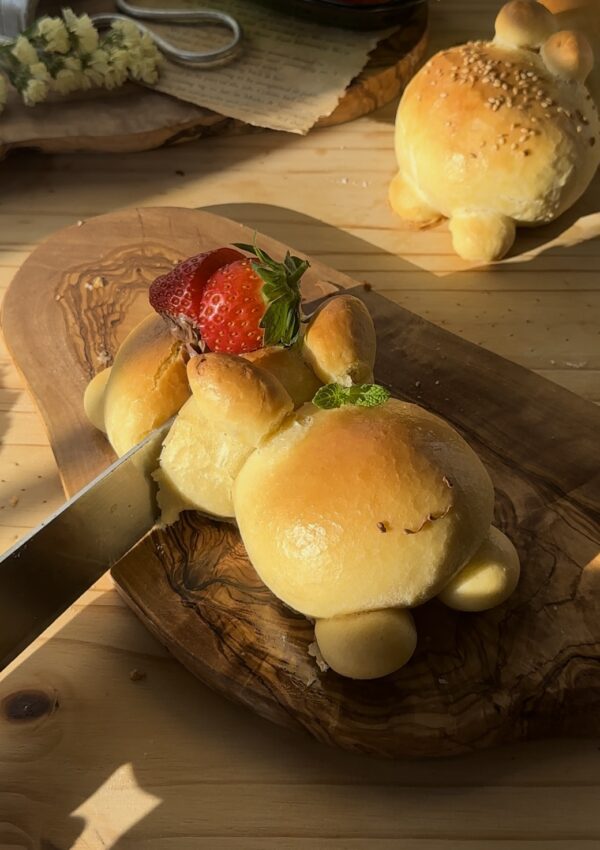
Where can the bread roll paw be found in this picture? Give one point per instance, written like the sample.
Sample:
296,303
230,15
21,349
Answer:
409,205
481,236
488,579
367,645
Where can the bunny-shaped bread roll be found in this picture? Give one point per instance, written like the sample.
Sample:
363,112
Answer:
495,134
350,514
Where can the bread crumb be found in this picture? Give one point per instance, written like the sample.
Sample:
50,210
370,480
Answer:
137,675
367,286
13,501
80,223
382,527
315,652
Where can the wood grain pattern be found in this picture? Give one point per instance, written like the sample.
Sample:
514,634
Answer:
138,119
531,667
166,764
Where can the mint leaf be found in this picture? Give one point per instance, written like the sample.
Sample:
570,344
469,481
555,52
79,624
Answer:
330,396
362,395
370,395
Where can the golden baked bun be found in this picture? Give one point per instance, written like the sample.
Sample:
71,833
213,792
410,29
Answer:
234,406
198,465
146,386
493,134
358,509
287,365
238,396
339,343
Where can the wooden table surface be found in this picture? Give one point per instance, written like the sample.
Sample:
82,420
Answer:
159,762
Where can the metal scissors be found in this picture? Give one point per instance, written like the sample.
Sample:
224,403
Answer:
196,59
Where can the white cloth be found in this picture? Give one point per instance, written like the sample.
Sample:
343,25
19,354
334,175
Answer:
16,15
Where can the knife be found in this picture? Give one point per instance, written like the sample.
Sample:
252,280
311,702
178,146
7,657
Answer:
47,571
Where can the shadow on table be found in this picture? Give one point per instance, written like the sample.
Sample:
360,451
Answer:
92,758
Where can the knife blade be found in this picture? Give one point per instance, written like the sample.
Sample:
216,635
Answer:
47,571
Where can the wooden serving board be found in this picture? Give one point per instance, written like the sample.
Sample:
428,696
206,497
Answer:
528,668
134,118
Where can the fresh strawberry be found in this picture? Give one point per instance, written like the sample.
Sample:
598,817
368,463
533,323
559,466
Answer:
177,295
252,302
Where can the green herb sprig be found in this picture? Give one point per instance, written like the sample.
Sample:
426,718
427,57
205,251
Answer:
362,395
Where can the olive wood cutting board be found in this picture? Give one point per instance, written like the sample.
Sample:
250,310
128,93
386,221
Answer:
528,668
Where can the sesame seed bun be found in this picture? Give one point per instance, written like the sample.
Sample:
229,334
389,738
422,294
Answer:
490,134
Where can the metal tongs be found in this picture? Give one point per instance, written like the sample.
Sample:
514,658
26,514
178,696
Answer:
195,59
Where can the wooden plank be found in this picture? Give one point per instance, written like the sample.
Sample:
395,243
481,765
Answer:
513,419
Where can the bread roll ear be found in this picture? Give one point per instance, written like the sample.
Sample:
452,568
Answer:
243,399
287,365
339,344
147,384
568,54
524,23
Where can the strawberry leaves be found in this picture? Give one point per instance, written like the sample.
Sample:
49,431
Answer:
363,395
281,292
